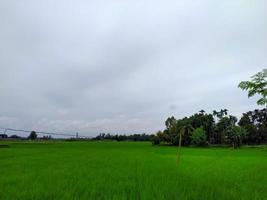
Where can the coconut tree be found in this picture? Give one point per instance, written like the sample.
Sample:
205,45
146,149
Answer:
202,112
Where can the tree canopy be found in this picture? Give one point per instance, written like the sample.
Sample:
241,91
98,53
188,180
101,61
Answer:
257,85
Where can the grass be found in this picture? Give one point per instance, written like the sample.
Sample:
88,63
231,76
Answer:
128,170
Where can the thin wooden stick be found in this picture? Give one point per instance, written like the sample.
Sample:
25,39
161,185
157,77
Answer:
179,147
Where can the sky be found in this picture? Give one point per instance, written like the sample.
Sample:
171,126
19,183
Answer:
117,66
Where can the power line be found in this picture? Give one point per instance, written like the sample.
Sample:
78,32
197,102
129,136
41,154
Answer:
42,132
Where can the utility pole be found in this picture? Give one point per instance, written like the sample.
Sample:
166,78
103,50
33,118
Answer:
77,135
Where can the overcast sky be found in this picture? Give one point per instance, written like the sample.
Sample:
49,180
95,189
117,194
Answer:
124,66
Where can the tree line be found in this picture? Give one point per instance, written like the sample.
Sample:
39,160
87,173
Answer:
215,128
132,137
219,127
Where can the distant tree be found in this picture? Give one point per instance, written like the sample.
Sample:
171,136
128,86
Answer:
199,137
235,135
206,121
171,125
257,85
47,137
14,137
133,137
214,113
185,130
202,112
3,136
220,114
32,135
155,140
222,126
255,122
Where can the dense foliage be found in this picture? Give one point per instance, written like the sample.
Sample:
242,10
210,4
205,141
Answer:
255,122
217,128
199,137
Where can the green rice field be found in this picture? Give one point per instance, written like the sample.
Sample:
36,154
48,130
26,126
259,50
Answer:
129,170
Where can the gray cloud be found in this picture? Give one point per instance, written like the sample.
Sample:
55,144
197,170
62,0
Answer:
124,66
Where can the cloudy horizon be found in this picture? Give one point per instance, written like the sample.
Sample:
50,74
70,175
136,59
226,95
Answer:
125,66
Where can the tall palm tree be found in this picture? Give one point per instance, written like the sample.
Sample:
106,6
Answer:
224,111
202,112
215,113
